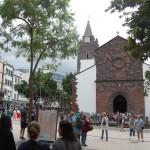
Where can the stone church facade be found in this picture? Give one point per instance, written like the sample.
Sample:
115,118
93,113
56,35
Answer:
116,79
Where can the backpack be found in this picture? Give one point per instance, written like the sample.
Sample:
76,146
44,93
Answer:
79,123
104,122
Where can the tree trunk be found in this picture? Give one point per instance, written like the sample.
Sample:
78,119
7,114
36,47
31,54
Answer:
31,97
31,78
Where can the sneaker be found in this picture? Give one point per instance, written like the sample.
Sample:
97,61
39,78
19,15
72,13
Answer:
129,138
142,140
84,145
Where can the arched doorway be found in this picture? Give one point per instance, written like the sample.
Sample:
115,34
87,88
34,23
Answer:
119,104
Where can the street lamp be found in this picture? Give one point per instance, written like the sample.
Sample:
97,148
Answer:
9,94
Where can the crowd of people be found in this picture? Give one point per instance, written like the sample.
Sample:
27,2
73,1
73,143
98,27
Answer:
72,132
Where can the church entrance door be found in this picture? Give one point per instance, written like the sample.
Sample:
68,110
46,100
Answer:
119,104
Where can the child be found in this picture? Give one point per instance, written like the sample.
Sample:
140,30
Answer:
132,127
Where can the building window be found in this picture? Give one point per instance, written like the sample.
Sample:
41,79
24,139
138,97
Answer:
87,56
11,73
15,80
7,71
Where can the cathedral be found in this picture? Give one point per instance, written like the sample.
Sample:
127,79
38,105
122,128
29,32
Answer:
107,78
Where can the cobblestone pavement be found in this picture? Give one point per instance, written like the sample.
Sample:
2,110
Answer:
117,140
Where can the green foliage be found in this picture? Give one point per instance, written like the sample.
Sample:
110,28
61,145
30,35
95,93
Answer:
46,25
67,86
46,84
137,18
43,85
38,29
22,88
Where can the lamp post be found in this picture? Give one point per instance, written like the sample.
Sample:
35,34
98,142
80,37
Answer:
9,94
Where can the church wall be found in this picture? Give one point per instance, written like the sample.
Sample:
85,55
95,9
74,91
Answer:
116,72
86,48
106,92
86,90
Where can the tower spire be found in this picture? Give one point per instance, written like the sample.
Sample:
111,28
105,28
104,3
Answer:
88,31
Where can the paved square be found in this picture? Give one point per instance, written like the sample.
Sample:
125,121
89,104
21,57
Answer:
117,140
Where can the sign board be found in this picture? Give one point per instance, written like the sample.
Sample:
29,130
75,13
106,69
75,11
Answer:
48,123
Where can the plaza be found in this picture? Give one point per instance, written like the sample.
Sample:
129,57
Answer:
117,140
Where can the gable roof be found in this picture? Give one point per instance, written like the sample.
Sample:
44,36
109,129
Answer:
110,41
85,70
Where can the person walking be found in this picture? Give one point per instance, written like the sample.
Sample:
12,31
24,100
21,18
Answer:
67,140
14,115
132,127
139,124
6,137
104,126
33,143
122,122
23,122
77,124
84,130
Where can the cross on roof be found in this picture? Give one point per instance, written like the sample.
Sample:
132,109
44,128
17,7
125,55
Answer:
88,18
117,32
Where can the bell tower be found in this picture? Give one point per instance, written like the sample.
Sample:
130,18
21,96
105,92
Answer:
87,48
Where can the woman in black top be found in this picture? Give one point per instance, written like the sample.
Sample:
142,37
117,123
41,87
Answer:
33,143
6,136
67,140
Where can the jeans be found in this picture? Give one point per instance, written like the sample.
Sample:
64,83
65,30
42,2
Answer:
83,138
102,136
132,132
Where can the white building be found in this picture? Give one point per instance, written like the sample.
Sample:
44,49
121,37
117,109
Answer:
19,75
108,79
8,85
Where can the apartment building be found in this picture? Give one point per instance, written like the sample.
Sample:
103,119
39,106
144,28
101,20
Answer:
19,75
2,66
7,84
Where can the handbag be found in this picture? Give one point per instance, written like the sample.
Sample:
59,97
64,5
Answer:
90,127
142,127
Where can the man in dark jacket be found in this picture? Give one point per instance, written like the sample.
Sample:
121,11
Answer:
23,122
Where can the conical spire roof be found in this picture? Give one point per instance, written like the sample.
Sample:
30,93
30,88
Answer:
88,31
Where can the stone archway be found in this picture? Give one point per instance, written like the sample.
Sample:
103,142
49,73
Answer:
119,104
112,98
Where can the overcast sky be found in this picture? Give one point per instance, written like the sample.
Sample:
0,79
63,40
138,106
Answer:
104,27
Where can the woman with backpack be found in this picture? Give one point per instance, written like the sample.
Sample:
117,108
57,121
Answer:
77,124
104,126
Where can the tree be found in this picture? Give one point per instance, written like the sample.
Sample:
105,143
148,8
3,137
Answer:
43,86
22,88
137,18
39,29
67,86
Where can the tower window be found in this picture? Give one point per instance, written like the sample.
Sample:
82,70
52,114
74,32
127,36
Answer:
87,56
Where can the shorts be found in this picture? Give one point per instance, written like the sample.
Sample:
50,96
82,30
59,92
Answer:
139,131
24,124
